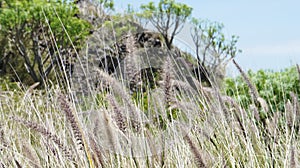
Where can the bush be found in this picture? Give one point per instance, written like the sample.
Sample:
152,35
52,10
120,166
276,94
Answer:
275,87
38,35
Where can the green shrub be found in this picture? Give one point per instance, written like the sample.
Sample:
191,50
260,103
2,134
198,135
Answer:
7,85
34,34
274,87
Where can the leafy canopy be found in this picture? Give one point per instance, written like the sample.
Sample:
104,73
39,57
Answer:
15,13
208,37
32,31
168,17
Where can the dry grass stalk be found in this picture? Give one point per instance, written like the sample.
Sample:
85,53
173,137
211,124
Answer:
31,155
36,127
238,112
110,133
293,161
290,117
206,135
187,107
96,126
131,64
295,110
73,121
118,116
184,87
97,154
167,82
31,88
3,142
198,158
117,88
295,104
253,90
78,132
272,124
223,107
256,114
263,104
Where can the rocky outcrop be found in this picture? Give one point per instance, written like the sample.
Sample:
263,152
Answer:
136,58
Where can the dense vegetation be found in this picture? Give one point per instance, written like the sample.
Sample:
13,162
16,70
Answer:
249,121
276,87
37,36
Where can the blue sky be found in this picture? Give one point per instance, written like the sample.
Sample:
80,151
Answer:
269,30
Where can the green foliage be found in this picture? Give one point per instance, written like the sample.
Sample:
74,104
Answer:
275,87
168,7
211,34
168,17
107,4
213,49
30,13
121,25
34,130
7,85
33,30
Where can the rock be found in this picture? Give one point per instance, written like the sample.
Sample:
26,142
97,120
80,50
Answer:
136,57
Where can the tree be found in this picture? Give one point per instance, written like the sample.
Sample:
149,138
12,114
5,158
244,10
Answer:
38,35
212,49
168,17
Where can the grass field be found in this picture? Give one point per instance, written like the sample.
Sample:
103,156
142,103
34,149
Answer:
173,125
250,121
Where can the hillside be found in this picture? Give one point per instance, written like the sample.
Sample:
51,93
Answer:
82,86
127,51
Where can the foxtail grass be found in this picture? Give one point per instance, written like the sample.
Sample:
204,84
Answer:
253,90
197,155
76,127
51,136
243,140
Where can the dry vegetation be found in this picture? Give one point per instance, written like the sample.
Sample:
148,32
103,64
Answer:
178,123
181,127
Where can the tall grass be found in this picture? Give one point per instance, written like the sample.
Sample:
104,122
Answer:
179,123
41,129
